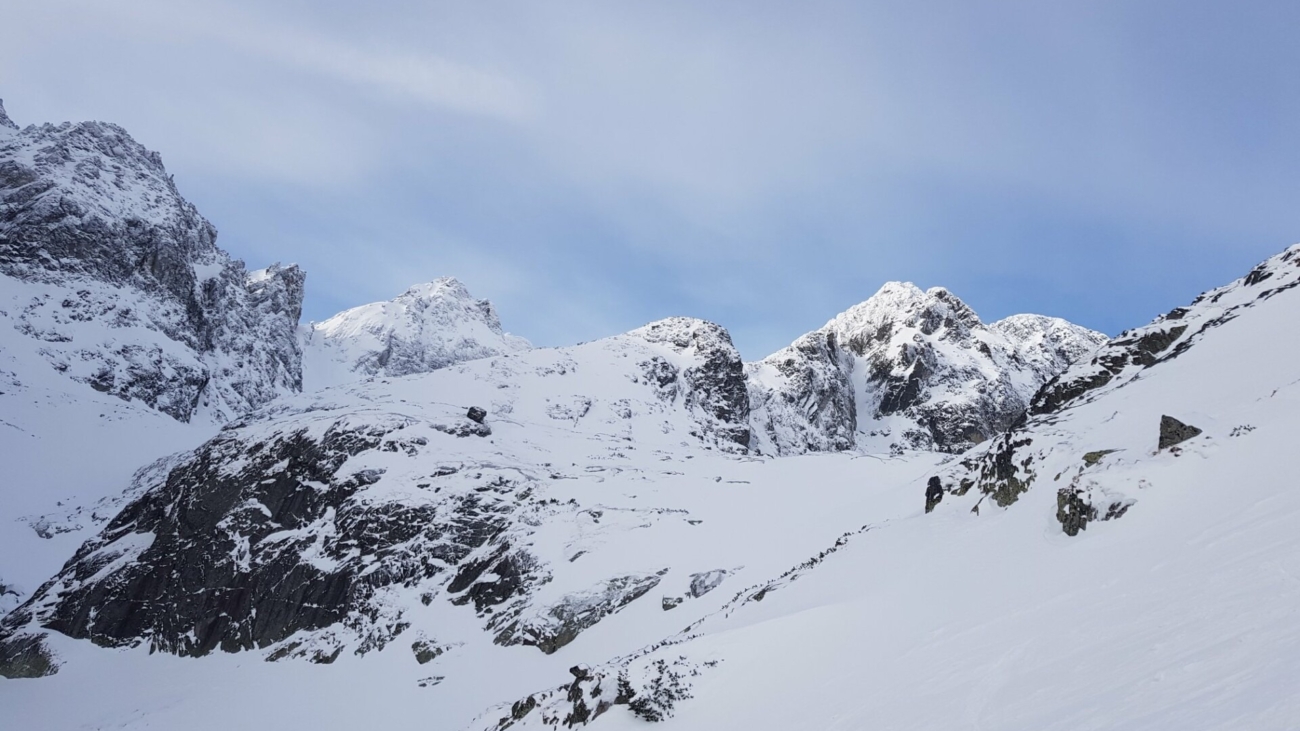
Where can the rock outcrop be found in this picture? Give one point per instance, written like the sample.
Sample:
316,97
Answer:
1174,432
309,526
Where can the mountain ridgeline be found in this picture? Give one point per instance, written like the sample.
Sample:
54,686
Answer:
119,284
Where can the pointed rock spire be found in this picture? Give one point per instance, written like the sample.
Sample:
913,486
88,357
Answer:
5,121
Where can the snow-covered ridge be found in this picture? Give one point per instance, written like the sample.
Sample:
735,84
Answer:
430,326
1071,432
908,369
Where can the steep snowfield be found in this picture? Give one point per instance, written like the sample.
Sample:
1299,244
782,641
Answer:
908,369
430,326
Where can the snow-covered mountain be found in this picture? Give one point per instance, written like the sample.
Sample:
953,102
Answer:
601,550
430,326
116,281
979,614
908,369
461,531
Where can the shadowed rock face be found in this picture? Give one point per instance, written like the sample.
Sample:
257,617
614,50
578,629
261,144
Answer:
715,388
92,221
1173,431
258,536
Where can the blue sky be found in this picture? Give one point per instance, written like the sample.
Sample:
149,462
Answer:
593,166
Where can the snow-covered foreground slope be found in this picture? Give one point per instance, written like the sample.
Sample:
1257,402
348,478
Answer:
1178,610
607,554
430,326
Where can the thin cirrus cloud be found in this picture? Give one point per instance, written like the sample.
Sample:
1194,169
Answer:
591,166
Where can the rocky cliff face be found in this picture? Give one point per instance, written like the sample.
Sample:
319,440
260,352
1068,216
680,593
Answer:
117,281
908,369
430,326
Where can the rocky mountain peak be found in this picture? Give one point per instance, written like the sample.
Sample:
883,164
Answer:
427,327
898,306
911,368
689,335
119,284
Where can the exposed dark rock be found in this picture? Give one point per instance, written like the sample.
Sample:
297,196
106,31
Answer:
706,581
933,494
1075,510
251,540
1000,472
1092,458
521,708
476,414
1173,431
672,602
426,651
715,390
558,625
24,655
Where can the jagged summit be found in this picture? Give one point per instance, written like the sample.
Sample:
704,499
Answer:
5,121
117,281
907,369
427,327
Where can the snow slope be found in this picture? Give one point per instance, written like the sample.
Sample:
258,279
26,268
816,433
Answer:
430,326
1178,612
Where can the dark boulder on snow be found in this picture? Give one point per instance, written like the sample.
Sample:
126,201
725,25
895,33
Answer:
933,494
476,414
1173,431
1076,507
